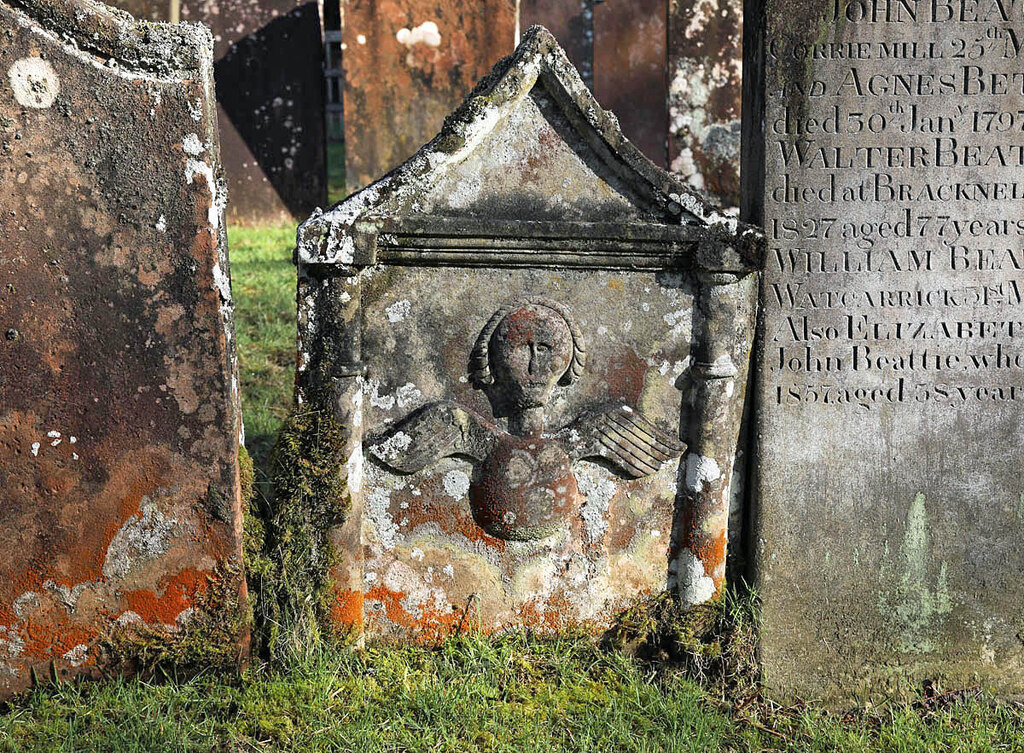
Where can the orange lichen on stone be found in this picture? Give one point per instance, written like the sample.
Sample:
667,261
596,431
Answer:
179,592
432,624
347,610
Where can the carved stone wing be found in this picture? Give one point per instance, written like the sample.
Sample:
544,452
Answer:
623,437
431,433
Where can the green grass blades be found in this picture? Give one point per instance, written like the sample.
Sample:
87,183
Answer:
336,190
263,283
514,693
472,694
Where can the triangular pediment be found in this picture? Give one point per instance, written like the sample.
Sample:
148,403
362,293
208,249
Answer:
530,144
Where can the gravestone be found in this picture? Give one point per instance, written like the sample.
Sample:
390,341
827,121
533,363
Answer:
571,22
521,330
407,65
272,101
705,50
630,70
889,497
119,421
271,105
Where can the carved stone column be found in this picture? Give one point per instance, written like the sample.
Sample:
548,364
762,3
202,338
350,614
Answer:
723,334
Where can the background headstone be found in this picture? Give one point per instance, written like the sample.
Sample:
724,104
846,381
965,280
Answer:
482,494
572,24
670,69
271,105
705,68
119,423
630,73
271,98
408,63
890,435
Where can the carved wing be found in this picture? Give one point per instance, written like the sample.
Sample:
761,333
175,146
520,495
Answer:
431,433
623,437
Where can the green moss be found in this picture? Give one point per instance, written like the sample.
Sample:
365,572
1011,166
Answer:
209,639
259,568
310,497
715,644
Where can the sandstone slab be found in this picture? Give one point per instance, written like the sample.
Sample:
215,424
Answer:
522,328
119,419
889,431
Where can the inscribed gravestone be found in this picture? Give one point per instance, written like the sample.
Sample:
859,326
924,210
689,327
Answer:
119,420
890,431
506,327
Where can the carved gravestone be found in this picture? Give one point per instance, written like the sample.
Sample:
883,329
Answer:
522,329
890,442
119,422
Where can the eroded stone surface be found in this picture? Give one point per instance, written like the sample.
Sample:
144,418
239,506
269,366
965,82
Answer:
271,101
119,423
890,429
520,326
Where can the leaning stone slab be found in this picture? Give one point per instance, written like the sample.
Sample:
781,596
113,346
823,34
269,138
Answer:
520,332
119,420
890,503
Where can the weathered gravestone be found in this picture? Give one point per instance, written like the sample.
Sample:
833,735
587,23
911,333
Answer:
271,105
268,66
119,421
891,423
519,329
407,64
705,51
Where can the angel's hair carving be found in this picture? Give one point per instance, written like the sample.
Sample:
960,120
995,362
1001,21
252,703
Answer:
480,360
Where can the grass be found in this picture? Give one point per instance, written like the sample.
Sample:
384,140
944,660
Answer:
514,693
335,172
471,694
263,283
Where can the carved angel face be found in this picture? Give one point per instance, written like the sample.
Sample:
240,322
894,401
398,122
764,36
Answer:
530,351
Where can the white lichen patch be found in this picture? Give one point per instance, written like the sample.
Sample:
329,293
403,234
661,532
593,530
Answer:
398,311
193,145
34,82
12,646
695,585
128,618
161,224
222,282
194,168
390,448
76,657
371,389
408,395
678,321
598,486
354,468
456,484
426,33
701,470
25,604
68,596
378,510
143,537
